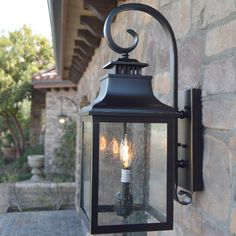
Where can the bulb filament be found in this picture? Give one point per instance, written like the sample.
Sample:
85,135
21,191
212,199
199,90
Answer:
126,152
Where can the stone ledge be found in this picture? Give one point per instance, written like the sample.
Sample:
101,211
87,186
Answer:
42,195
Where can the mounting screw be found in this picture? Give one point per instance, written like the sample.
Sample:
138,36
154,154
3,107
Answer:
182,163
182,145
183,114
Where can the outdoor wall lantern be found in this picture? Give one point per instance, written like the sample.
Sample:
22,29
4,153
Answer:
133,159
62,118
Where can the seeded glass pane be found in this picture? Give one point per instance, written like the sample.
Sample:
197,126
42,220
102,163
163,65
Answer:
86,167
158,168
147,159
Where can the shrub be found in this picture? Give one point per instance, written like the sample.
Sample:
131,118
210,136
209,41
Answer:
65,153
19,169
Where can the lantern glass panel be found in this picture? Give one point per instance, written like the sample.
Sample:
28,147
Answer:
139,194
86,167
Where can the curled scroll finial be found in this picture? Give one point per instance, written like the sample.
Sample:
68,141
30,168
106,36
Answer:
111,42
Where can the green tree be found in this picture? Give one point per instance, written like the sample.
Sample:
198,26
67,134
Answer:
22,53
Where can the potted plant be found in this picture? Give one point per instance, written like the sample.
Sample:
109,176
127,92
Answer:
8,149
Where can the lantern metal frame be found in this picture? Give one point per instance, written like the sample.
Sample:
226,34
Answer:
126,96
92,224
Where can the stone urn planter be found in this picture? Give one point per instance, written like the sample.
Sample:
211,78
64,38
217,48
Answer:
36,162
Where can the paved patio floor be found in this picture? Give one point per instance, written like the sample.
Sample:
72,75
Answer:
42,223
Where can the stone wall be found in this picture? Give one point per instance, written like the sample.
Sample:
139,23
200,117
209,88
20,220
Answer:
37,114
21,196
206,37
54,130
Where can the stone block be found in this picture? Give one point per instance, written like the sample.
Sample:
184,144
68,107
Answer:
159,50
215,198
232,145
151,58
139,53
177,231
233,183
196,222
165,2
219,114
192,219
206,12
5,190
178,213
190,62
208,229
233,221
161,84
152,3
187,216
221,38
180,17
220,77
26,195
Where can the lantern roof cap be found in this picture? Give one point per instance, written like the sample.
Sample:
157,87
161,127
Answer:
126,62
125,66
128,95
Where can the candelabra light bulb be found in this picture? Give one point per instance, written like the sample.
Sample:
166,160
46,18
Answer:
126,154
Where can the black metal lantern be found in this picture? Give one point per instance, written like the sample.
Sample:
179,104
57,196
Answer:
62,118
129,145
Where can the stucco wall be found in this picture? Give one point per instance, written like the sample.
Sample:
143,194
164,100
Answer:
54,130
206,37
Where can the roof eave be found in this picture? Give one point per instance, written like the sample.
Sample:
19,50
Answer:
55,14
